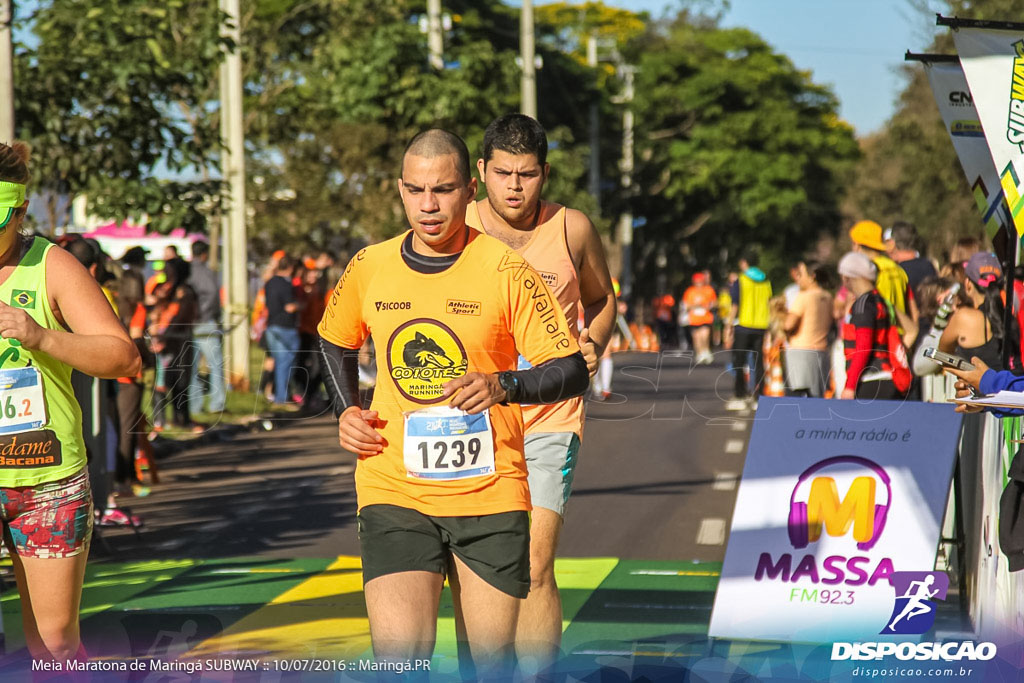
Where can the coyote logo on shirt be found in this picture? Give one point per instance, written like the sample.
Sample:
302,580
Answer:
422,355
423,352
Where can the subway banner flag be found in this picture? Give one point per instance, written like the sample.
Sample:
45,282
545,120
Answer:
953,97
993,61
838,500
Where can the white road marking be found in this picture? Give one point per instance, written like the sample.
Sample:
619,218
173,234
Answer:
654,605
724,481
711,532
734,446
671,572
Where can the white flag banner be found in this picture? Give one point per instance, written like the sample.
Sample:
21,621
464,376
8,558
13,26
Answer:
953,97
993,62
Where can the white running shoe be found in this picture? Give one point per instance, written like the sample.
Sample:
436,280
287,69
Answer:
736,404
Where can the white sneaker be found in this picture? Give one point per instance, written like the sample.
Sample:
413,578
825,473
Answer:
736,404
705,359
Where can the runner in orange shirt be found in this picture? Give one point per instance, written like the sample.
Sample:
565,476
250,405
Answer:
441,478
563,246
699,301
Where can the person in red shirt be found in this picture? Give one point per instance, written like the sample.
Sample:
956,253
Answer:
865,333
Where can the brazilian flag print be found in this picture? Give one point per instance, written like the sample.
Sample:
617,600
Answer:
22,298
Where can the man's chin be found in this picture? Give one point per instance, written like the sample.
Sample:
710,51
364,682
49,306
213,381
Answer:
512,216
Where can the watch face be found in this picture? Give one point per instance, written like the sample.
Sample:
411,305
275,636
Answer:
507,382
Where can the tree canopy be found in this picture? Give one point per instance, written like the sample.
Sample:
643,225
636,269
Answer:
735,147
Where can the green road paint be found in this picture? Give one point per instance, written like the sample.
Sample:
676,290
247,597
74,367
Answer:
105,586
643,606
308,607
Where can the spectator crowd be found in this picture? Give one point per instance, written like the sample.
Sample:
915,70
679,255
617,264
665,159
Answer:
171,307
858,330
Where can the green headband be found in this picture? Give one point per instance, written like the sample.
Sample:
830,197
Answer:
12,196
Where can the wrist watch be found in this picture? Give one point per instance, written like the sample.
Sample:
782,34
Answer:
510,383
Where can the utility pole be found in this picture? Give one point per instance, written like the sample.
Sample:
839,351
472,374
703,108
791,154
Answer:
6,72
435,38
594,180
236,314
528,87
625,232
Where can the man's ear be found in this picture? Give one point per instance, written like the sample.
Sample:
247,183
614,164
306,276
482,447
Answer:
401,189
547,170
481,168
471,187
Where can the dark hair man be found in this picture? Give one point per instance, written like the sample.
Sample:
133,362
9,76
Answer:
562,244
206,333
901,242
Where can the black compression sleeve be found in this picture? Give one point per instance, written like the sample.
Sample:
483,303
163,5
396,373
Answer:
341,370
553,381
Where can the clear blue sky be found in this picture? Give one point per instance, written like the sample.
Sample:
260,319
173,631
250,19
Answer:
855,46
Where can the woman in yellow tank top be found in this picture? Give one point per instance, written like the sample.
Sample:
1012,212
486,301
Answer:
53,318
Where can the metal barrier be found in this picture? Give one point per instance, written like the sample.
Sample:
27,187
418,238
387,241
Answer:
994,596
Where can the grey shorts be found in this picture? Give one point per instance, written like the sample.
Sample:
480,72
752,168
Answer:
551,463
808,370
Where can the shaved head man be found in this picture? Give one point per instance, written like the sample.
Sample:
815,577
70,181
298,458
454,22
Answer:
441,481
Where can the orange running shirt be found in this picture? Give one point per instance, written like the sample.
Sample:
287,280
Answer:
428,329
547,252
700,301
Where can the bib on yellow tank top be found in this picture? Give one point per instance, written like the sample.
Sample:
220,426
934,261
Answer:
548,253
40,419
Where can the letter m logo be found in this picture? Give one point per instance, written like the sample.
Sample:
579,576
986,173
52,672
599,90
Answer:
857,509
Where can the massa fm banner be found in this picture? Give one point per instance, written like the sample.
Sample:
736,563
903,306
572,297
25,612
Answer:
953,97
993,62
839,503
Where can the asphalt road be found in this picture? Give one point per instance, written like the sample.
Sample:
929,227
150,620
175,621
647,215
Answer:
656,480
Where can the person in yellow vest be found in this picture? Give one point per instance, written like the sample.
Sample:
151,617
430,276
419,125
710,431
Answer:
563,246
53,318
750,294
892,283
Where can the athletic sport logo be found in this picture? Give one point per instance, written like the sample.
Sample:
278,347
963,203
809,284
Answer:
422,355
914,611
22,298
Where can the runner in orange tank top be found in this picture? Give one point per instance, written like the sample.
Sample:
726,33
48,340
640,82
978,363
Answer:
563,246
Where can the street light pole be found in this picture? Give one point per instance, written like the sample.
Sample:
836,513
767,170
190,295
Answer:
435,38
594,181
528,85
236,314
625,231
6,72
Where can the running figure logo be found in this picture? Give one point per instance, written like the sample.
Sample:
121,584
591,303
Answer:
914,611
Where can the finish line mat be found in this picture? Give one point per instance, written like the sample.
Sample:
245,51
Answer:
314,608
623,619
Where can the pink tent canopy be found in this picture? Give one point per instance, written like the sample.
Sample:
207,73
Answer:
125,230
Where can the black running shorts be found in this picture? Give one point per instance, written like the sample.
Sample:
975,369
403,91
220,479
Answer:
496,547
